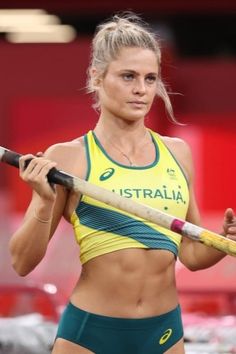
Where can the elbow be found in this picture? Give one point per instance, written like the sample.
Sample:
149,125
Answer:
17,263
21,269
21,272
22,261
22,265
193,267
190,263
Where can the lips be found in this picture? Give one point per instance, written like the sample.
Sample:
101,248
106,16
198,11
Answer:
139,103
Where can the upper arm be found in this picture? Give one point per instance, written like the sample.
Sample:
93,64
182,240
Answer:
193,254
193,215
182,152
183,155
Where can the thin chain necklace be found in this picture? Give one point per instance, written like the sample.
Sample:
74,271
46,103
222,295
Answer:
122,152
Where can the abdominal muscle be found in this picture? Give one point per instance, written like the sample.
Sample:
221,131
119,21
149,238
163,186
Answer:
130,283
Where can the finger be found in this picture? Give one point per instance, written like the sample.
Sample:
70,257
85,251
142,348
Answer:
232,230
40,168
31,164
23,161
231,236
229,215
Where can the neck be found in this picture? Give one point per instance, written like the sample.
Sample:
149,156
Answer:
126,134
123,143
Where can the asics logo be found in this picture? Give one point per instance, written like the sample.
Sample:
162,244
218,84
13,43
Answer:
165,336
107,174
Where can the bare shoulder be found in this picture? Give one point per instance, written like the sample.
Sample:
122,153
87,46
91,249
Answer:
181,151
70,156
176,144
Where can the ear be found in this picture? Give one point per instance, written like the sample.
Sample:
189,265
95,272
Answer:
95,78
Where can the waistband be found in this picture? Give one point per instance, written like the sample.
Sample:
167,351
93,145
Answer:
123,323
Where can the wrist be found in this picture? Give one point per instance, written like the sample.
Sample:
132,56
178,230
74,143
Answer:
43,221
43,213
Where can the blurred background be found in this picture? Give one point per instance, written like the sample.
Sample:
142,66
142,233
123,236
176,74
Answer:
44,55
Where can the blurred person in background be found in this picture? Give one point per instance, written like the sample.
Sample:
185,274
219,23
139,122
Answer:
125,301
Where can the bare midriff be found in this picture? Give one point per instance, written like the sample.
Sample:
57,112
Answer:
130,283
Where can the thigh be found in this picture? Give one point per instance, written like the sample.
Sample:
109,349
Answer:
63,346
178,348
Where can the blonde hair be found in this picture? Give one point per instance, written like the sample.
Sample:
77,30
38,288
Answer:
126,30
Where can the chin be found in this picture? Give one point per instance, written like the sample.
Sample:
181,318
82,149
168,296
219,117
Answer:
130,115
137,115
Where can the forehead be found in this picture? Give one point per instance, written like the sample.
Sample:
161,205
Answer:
135,59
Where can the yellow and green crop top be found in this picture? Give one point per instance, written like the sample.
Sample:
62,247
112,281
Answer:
101,229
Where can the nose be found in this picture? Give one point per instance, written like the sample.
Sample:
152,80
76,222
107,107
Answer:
139,87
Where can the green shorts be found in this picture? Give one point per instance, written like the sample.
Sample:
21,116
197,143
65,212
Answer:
108,335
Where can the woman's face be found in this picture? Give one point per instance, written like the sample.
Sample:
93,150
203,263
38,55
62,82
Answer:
129,85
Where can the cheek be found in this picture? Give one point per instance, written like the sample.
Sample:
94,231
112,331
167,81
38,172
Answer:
153,94
114,92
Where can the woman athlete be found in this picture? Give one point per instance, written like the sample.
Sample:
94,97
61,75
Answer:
125,301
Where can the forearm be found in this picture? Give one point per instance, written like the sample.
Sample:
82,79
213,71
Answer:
28,244
195,255
205,256
208,256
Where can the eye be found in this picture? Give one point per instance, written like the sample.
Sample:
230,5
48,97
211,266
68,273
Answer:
151,79
128,76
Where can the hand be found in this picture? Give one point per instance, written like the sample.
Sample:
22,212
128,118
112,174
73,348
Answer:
35,174
229,224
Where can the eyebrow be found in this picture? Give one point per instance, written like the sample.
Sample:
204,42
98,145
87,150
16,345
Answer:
135,72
